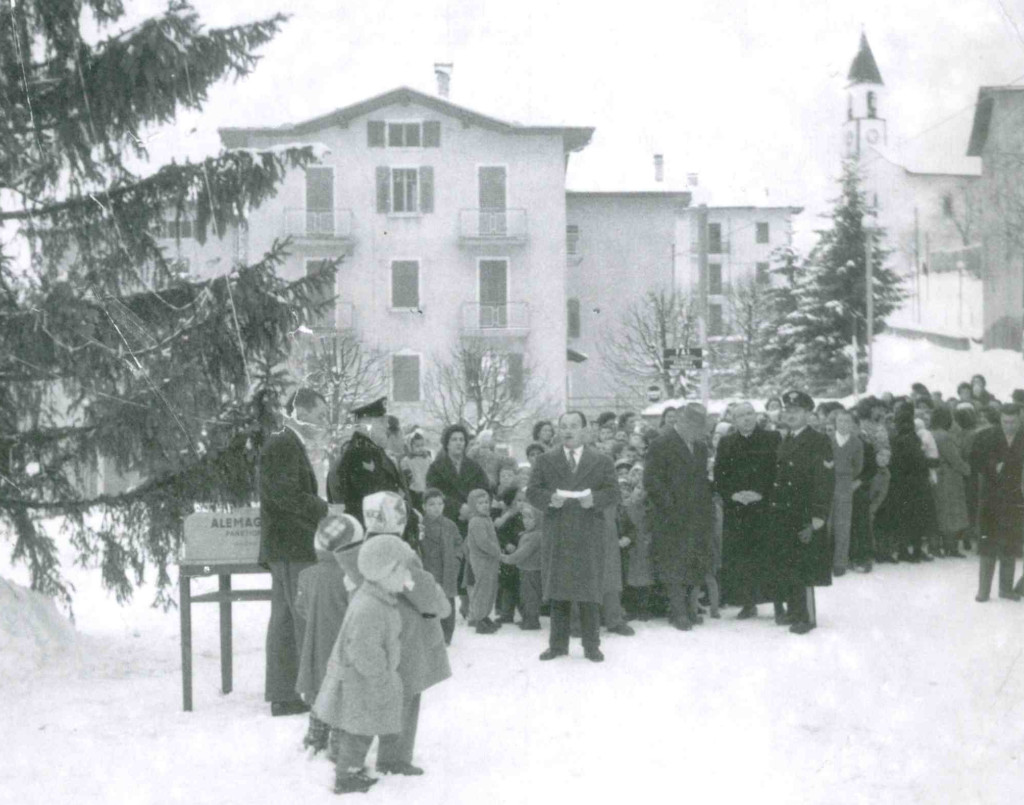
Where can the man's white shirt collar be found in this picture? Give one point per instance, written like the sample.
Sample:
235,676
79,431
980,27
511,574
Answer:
576,453
841,440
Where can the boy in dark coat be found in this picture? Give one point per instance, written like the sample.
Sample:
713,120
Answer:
526,558
441,550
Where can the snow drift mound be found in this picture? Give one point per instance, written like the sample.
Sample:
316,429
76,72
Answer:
33,634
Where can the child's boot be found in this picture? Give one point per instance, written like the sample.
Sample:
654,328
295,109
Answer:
317,735
353,781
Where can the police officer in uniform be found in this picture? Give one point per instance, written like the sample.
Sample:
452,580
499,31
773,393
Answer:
364,466
800,503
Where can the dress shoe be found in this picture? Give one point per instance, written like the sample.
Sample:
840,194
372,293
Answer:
406,769
622,629
529,626
353,782
593,654
801,627
1010,596
295,708
981,599
784,619
746,612
553,654
505,619
682,624
487,627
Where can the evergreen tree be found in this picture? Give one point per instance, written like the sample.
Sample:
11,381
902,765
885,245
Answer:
779,333
108,349
830,297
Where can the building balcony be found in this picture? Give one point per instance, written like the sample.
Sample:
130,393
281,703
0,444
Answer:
485,227
509,320
325,226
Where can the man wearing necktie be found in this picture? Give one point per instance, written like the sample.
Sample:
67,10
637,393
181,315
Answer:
573,485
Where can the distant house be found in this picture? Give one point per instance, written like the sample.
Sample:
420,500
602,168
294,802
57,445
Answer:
997,136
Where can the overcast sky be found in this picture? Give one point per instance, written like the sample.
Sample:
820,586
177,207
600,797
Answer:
749,94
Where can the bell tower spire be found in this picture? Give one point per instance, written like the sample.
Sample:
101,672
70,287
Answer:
865,127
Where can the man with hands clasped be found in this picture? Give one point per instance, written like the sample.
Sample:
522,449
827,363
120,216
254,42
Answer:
573,485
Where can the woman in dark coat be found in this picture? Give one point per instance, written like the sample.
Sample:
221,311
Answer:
906,512
950,493
455,475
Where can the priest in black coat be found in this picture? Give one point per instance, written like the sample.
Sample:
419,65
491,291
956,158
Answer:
744,475
801,499
290,510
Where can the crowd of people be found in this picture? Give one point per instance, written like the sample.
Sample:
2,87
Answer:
605,522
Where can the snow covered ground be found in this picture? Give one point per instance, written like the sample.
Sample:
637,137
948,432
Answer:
909,692
902,361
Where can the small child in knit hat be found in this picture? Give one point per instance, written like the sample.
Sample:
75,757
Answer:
321,601
367,653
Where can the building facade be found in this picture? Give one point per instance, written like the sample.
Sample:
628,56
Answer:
450,226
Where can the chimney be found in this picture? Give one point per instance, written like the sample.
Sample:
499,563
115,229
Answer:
443,74
659,168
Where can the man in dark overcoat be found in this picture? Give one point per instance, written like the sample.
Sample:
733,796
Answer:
744,474
801,498
573,485
290,510
682,511
364,467
998,456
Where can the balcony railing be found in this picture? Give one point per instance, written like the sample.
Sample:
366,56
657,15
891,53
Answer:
318,224
512,318
492,226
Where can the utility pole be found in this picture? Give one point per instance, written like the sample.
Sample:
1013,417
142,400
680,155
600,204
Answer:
702,305
869,280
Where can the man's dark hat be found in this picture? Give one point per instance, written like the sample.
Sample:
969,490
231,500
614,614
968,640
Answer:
372,410
797,399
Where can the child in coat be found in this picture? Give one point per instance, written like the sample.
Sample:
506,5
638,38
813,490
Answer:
366,654
485,561
526,557
441,550
322,601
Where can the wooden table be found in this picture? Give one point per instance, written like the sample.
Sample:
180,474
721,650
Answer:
224,596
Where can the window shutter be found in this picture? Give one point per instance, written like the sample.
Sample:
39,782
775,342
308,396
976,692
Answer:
405,284
431,133
573,318
426,189
383,189
375,133
405,370
516,379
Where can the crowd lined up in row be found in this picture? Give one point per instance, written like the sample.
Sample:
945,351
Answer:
607,521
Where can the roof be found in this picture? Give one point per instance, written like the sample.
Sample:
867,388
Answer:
576,137
864,69
668,195
983,109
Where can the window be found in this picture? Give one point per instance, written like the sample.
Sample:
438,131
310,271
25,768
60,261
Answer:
493,293
405,378
573,317
319,201
761,273
762,232
419,134
714,319
327,319
872,109
715,279
405,284
715,238
572,240
405,190
516,376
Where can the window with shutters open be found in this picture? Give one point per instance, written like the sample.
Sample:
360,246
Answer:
762,232
573,317
403,134
715,238
405,284
405,378
405,191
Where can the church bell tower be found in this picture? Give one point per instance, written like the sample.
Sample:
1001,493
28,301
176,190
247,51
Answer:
864,126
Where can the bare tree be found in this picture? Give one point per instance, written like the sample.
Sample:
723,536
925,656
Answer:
751,320
634,349
484,387
962,207
344,369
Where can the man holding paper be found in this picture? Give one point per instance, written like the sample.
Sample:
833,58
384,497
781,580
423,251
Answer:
573,485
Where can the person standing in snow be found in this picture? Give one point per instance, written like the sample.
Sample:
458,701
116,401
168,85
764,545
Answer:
801,500
290,510
573,485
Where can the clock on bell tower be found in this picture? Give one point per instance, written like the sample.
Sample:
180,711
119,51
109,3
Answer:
864,124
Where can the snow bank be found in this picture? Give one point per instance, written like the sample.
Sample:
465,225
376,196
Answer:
33,634
902,361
